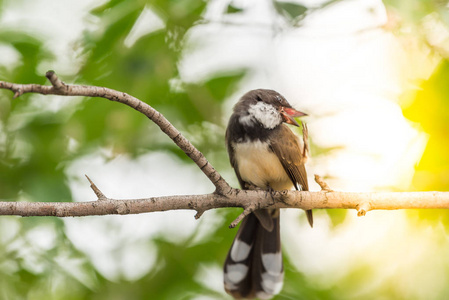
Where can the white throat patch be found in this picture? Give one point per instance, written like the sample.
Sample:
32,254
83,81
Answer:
266,114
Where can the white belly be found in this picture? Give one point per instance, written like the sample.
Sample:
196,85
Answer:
260,167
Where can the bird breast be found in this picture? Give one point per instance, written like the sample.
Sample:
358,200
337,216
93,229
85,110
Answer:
258,165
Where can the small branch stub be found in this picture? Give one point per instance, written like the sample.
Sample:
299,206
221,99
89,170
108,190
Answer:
54,80
324,186
96,190
363,208
17,93
246,211
198,214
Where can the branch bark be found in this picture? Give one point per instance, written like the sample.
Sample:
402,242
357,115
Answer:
235,198
224,195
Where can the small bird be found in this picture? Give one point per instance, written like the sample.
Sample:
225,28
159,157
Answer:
265,154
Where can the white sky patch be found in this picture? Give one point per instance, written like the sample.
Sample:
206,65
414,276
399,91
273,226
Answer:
9,57
237,49
30,255
383,240
42,236
437,31
346,17
147,23
380,147
58,23
211,276
120,246
76,268
9,229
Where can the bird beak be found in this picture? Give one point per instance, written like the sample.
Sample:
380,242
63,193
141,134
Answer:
288,115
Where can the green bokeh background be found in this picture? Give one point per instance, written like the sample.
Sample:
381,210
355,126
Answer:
34,145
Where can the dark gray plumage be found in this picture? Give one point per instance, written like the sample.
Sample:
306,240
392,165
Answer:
265,154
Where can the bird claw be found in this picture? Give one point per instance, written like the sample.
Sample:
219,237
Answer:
271,191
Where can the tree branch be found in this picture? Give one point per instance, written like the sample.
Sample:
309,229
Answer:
60,88
224,195
248,199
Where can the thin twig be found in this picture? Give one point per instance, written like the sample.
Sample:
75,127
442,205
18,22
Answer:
54,80
322,183
246,211
305,139
96,190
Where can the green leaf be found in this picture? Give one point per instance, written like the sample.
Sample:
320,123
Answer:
293,12
232,9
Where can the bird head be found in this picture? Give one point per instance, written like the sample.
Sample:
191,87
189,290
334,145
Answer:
266,108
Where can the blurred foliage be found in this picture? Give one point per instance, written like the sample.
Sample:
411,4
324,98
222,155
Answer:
417,21
430,108
414,11
35,147
26,165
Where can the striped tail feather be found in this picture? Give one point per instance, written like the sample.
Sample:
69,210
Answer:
253,267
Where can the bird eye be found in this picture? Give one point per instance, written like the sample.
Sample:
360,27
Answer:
258,98
278,98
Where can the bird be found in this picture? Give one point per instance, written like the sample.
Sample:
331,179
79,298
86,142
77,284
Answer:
265,155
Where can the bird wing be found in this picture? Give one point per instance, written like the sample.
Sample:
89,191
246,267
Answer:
291,153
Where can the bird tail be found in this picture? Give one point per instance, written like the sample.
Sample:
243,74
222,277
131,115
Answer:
253,267
309,215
